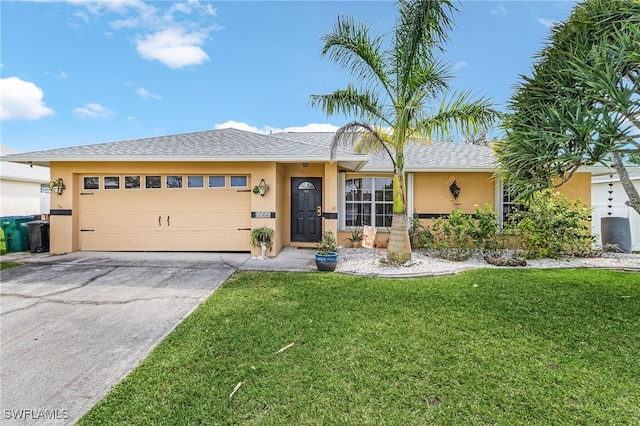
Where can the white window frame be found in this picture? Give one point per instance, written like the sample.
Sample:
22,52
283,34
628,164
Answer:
342,178
246,181
84,183
106,186
204,181
151,188
224,181
500,203
140,182
343,202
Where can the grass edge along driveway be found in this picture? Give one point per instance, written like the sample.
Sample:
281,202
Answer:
482,347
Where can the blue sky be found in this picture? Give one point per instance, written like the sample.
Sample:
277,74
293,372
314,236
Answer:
78,72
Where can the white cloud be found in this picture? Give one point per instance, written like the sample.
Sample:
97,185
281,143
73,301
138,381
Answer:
174,47
547,22
93,110
97,7
311,127
21,99
193,6
142,92
460,64
240,126
62,75
145,94
500,10
171,33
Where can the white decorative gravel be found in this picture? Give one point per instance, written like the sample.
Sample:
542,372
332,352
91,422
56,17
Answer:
364,261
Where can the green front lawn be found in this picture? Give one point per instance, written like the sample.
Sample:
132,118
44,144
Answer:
484,347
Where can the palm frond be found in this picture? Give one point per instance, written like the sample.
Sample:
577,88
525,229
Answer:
459,113
351,46
350,101
352,134
423,26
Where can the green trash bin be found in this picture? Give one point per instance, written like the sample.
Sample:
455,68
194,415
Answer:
3,243
16,232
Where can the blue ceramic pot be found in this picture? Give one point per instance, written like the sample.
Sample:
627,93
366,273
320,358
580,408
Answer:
327,262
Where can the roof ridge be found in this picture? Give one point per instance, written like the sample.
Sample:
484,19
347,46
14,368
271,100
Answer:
311,144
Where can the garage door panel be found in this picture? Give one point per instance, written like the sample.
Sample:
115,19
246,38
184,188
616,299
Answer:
165,220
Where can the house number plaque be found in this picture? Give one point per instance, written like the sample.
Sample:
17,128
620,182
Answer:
262,215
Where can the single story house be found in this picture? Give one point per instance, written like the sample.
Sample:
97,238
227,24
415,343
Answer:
24,188
194,191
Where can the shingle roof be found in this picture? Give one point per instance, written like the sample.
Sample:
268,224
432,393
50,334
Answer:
210,145
240,145
444,156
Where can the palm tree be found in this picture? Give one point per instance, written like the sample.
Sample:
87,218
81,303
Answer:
391,101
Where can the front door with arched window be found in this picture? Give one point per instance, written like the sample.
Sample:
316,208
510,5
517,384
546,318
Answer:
306,209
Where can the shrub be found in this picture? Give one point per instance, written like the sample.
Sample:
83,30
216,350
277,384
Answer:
552,226
419,235
458,234
485,227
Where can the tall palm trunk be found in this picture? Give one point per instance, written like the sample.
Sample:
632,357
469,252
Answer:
399,249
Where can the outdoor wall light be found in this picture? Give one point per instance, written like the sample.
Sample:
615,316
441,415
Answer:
455,189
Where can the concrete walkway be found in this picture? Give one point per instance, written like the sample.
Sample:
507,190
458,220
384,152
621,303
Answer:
74,325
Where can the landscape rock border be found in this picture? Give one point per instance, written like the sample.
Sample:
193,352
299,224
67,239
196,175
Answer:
426,263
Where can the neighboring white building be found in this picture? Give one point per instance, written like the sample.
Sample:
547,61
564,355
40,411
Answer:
24,189
600,204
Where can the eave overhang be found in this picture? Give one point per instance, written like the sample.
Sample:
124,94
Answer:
355,161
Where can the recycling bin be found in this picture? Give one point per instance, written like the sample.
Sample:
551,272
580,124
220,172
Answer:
38,236
16,233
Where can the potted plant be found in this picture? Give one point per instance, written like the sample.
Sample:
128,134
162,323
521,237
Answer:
356,237
261,188
262,237
57,186
327,256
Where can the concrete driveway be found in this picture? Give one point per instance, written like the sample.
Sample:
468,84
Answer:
73,326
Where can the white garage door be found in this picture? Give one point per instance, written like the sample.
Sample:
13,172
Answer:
164,213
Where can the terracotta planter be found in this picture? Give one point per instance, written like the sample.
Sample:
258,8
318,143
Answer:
327,262
355,244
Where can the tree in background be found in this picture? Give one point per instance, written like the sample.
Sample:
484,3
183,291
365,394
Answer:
399,94
581,106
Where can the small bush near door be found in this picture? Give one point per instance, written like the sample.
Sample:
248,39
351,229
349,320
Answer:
552,226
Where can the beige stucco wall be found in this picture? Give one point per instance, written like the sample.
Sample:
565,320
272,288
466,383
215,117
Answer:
65,229
432,195
579,186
